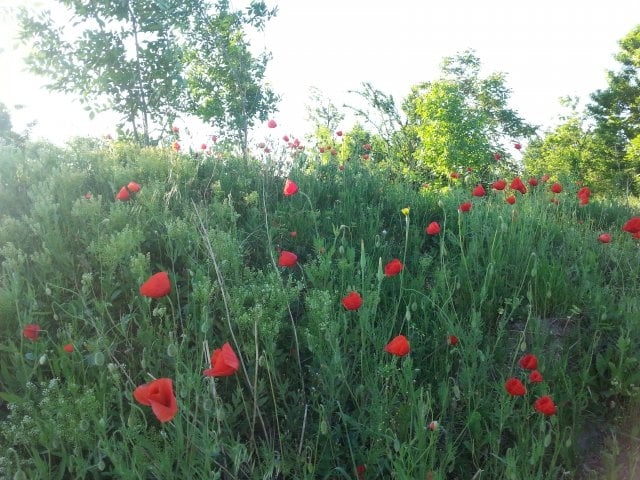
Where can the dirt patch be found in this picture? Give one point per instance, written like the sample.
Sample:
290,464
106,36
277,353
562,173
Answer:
612,453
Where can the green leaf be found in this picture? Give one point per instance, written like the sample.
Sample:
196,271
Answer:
11,397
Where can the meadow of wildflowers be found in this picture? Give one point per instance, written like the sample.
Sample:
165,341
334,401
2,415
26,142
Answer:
306,313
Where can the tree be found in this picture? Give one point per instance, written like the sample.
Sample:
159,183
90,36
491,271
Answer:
461,119
5,122
225,82
128,56
616,111
119,55
322,112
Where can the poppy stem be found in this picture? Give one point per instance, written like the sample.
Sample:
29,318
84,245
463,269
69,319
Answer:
404,263
275,267
212,256
315,219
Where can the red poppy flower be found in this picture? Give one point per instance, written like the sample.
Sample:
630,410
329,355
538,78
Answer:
604,238
393,268
293,234
515,387
517,146
499,184
224,362
516,184
529,362
339,133
214,138
341,168
478,191
556,188
535,377
334,152
365,156
321,149
175,146
545,178
584,192
123,194
632,226
452,340
367,147
272,124
398,346
68,348
533,181
545,405
133,187
175,129
290,188
433,425
157,286
464,207
203,146
353,301
285,138
454,175
158,394
360,469
31,331
433,228
287,259
87,195
497,156
511,199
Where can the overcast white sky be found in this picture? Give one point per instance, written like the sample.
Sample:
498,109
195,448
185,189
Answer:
547,48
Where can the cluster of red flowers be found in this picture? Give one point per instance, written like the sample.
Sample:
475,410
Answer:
158,394
125,192
516,388
224,362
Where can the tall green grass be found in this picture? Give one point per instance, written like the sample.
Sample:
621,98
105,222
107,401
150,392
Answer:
316,395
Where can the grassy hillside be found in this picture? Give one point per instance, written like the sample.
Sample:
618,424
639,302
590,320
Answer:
521,323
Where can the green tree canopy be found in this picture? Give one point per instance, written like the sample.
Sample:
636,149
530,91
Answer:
616,111
225,81
461,119
129,56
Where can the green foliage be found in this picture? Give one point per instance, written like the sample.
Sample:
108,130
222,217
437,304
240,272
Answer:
315,395
461,119
125,58
322,113
142,59
616,111
225,82
5,122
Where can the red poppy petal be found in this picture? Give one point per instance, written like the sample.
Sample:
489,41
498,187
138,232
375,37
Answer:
141,394
165,413
157,286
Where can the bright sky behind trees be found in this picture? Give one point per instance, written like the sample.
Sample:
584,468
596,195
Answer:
548,49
